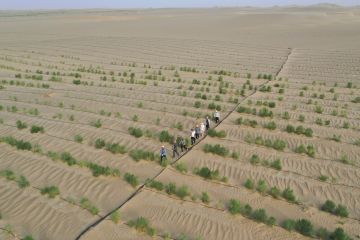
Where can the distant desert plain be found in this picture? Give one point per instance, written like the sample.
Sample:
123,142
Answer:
88,97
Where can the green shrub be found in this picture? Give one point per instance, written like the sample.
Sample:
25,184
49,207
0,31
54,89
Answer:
51,191
205,197
136,132
216,149
254,159
141,224
213,133
68,158
356,100
98,170
265,112
8,174
259,215
288,194
197,104
271,125
206,173
275,192
99,143
318,109
304,227
23,182
234,206
28,237
78,138
276,164
131,179
341,211
182,192
157,185
165,136
20,125
323,178
249,184
279,144
290,128
115,148
170,188
96,123
181,167
339,234
36,129
115,217
85,203
261,187
289,224
76,81
139,154
328,206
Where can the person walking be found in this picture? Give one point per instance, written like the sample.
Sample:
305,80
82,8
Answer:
202,129
174,148
162,154
217,116
197,131
192,136
207,123
182,144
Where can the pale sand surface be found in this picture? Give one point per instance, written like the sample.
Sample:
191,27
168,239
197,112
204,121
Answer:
313,50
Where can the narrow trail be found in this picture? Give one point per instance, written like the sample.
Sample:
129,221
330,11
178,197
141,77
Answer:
141,187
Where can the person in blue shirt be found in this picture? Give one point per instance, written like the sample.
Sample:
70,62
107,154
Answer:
162,154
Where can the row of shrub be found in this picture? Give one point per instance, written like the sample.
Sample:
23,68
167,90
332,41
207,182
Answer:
266,104
276,164
111,147
19,144
139,154
24,84
262,112
339,210
136,132
246,122
20,180
141,224
299,130
276,144
259,215
88,205
51,191
34,128
262,188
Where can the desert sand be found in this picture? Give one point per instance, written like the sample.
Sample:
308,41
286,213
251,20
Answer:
87,97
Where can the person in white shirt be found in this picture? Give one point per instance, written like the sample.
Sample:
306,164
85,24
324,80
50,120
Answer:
202,129
217,116
192,136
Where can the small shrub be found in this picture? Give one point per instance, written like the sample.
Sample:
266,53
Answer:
328,206
51,191
142,224
323,178
136,132
206,173
261,187
254,159
288,194
259,215
157,185
265,112
115,148
275,192
234,206
85,203
271,125
182,192
68,158
115,217
181,167
139,154
276,164
205,197
20,125
289,224
165,136
339,234
318,109
216,149
78,138
170,188
131,179
341,211
36,129
96,123
8,174
99,143
213,133
23,182
249,184
304,227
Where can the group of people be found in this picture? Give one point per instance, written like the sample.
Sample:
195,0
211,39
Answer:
196,133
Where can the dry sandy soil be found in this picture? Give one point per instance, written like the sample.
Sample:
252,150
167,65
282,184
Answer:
88,76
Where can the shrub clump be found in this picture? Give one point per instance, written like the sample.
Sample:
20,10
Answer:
131,179
288,194
36,129
213,133
51,191
19,144
165,136
216,149
20,125
136,132
206,173
339,210
156,184
141,224
85,203
139,154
